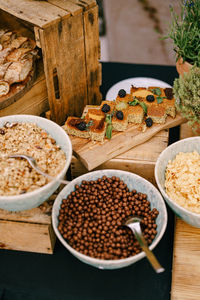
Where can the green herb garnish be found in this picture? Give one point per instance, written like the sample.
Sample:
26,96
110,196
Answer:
89,124
136,101
109,126
160,99
156,91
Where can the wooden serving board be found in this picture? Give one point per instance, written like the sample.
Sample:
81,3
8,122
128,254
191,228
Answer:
92,154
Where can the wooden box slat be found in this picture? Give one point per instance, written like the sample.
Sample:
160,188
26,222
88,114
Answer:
38,13
29,230
68,34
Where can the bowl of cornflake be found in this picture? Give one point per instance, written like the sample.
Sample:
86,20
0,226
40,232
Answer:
177,174
21,186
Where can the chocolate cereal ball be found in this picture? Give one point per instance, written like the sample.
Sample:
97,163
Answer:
91,218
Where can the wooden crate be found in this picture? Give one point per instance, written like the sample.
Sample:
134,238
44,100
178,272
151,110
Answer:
67,32
140,159
29,230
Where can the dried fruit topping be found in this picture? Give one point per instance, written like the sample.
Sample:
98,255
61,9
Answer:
105,108
119,115
122,93
150,98
149,122
2,131
169,93
81,126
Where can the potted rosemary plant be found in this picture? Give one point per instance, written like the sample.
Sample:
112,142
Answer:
184,31
186,90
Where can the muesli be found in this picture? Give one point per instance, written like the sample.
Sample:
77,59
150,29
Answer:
16,175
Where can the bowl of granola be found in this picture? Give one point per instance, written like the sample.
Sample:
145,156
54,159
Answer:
177,174
21,187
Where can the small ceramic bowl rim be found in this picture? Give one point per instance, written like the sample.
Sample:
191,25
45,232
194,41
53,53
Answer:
165,195
96,261
46,186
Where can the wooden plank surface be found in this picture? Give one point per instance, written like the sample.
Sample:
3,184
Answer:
139,160
38,13
186,262
92,45
92,154
29,230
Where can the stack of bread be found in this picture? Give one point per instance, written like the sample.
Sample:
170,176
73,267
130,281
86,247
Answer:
142,105
17,54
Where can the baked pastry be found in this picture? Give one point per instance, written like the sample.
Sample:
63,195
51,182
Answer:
77,127
157,113
96,119
135,114
120,120
4,88
167,99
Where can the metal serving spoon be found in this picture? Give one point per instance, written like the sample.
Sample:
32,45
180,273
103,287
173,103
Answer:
134,224
34,165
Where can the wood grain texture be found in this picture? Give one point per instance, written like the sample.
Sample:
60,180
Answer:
186,262
92,154
67,56
92,45
38,13
29,230
139,160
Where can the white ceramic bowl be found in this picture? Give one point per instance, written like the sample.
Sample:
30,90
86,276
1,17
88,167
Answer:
38,196
185,145
133,181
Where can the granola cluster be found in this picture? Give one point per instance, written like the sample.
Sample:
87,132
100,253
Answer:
16,175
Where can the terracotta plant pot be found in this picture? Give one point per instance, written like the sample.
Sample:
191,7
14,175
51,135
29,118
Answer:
182,67
196,128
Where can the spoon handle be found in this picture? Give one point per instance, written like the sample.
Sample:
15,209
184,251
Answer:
51,177
136,229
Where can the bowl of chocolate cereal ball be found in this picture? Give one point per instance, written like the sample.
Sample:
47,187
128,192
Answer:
21,187
88,217
177,174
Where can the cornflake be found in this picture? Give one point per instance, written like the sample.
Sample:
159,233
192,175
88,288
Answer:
182,180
